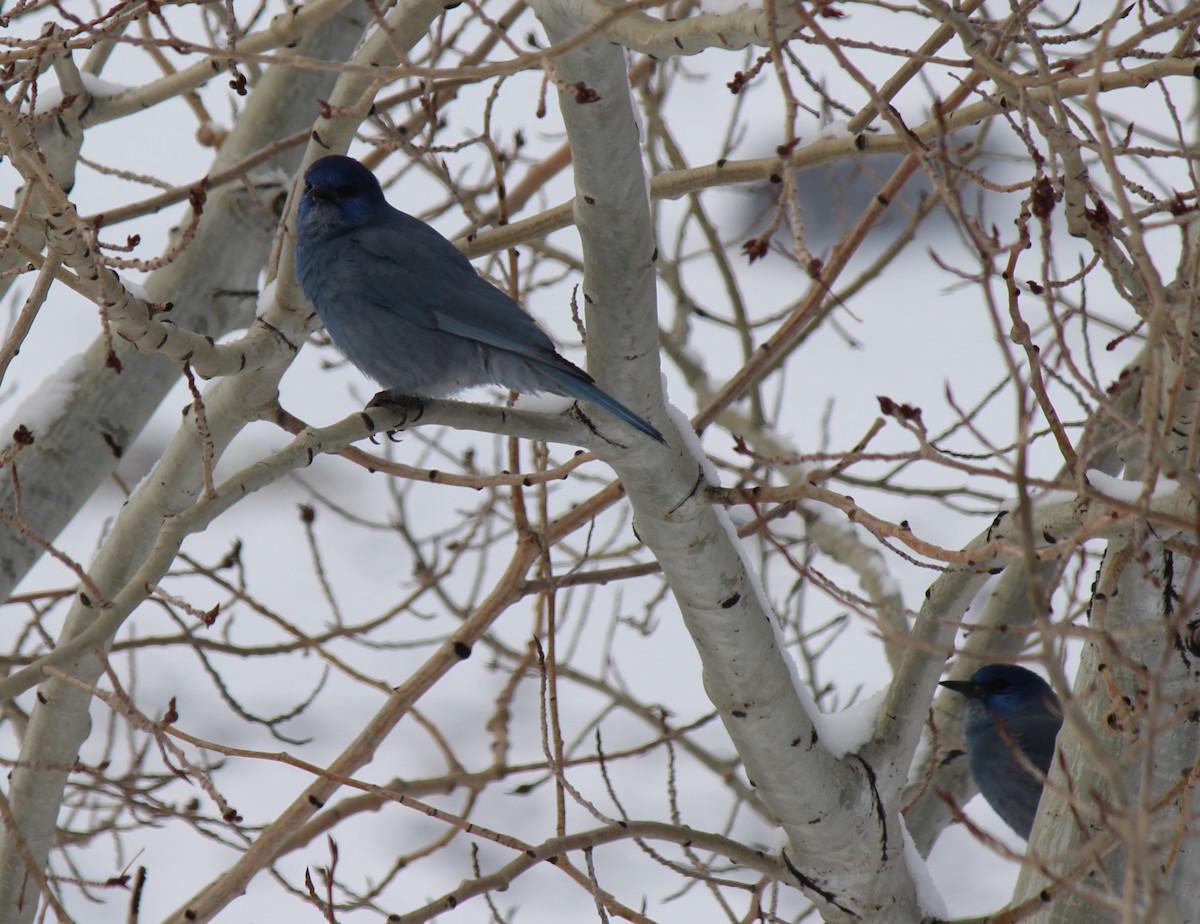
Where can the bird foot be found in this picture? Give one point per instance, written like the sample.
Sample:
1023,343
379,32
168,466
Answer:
410,408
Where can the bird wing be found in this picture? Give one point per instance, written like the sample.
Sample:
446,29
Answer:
408,267
1035,735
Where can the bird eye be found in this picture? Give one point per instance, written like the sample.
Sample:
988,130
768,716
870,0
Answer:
346,189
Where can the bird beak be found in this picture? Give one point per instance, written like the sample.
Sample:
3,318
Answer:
965,687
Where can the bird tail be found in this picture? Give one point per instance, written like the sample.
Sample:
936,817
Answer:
575,383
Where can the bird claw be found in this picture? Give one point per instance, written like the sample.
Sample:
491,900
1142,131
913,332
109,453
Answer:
410,407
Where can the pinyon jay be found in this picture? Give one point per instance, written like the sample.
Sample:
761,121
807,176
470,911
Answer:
1007,707
409,310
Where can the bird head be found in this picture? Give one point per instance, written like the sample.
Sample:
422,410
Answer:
1004,691
340,194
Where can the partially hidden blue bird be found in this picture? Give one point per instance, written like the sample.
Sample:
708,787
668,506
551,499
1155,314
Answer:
1009,706
408,309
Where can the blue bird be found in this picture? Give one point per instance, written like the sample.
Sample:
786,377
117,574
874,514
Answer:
1006,706
408,309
